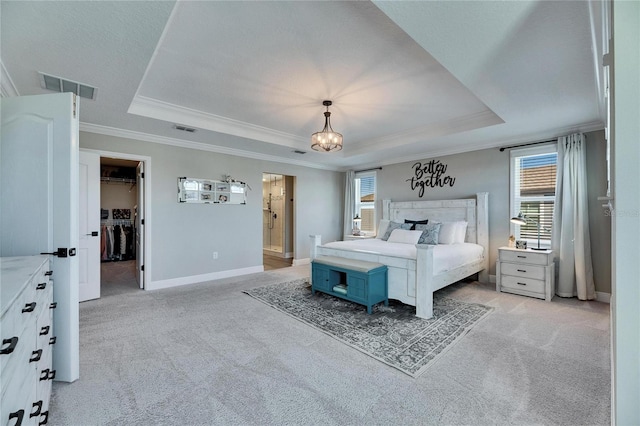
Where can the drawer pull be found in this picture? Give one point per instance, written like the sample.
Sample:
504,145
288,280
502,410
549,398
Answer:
53,305
48,273
52,341
29,307
44,330
13,342
47,374
36,355
17,415
38,409
519,283
522,257
41,286
46,418
521,270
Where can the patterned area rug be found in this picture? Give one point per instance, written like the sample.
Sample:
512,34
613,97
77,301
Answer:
393,334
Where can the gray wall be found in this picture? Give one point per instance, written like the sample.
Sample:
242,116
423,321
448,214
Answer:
184,236
488,171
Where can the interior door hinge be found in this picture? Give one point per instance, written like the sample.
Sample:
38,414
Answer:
141,221
74,105
142,175
142,268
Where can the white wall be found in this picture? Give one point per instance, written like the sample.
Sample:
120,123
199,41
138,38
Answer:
625,301
184,236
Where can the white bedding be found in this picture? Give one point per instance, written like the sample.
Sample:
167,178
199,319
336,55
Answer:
445,256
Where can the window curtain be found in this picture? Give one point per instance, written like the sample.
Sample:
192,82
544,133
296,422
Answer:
570,237
349,201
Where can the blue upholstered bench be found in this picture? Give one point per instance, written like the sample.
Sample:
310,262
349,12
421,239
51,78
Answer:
354,280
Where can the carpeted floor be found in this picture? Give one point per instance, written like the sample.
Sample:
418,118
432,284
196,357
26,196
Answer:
206,354
391,334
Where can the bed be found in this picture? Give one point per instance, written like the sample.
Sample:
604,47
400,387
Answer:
415,272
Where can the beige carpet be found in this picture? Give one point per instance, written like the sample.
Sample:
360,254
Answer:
207,354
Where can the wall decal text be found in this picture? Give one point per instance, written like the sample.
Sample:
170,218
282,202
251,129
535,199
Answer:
429,175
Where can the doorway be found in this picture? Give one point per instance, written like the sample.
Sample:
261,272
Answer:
121,193
277,220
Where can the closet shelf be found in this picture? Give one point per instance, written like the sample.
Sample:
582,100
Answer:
118,180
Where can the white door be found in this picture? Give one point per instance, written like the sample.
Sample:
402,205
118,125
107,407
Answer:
140,225
89,233
39,204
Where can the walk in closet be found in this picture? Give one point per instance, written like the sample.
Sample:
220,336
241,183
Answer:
118,199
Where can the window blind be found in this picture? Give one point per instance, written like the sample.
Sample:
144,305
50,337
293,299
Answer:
534,193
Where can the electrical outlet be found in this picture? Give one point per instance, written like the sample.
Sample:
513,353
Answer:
215,255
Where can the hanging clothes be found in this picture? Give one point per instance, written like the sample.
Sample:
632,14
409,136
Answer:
103,243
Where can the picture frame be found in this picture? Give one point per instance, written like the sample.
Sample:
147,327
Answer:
521,244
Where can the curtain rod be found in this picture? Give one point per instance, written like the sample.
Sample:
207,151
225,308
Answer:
368,170
527,144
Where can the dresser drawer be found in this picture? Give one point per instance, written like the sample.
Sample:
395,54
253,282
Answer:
524,256
522,284
523,270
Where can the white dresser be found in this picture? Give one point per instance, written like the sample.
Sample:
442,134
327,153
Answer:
526,272
26,328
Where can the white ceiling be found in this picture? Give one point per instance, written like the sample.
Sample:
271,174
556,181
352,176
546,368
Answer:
409,80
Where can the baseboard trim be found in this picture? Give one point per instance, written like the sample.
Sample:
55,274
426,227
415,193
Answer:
603,297
297,262
194,279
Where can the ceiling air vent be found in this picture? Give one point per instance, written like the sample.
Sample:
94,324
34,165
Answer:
58,84
184,128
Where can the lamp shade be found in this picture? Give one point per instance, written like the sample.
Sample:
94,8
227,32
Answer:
519,220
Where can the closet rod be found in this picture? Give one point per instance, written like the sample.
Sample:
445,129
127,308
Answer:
368,170
527,144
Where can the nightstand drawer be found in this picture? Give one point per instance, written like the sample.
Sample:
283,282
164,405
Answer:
524,256
523,270
523,284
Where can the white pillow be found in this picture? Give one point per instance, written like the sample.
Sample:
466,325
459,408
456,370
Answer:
447,233
452,232
382,227
461,231
404,236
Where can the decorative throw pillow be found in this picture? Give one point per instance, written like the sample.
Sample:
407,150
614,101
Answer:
392,226
382,228
429,234
415,222
405,236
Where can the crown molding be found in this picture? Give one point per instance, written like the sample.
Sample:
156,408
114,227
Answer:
172,113
147,137
456,125
533,137
7,88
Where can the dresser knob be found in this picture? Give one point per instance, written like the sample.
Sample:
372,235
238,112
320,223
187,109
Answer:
53,305
47,374
38,409
12,345
52,341
17,415
46,418
44,330
29,307
519,283
36,355
41,286
48,273
521,270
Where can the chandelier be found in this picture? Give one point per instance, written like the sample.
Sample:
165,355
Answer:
326,139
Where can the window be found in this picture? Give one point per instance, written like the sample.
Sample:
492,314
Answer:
533,189
365,202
